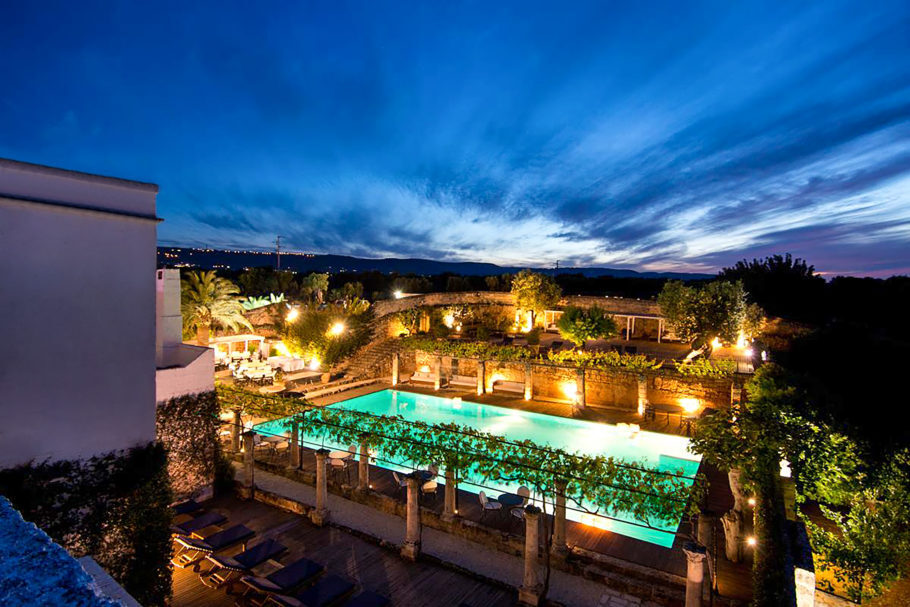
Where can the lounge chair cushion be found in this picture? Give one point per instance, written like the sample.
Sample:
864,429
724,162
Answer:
216,541
250,557
200,522
187,507
287,577
325,592
368,599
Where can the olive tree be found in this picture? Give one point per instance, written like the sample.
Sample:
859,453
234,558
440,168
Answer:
579,324
699,314
534,293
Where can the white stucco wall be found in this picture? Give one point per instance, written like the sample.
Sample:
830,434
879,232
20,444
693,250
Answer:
77,295
196,374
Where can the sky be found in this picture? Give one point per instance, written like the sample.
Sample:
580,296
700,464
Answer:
643,135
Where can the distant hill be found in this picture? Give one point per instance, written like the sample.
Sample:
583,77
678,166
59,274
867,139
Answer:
304,262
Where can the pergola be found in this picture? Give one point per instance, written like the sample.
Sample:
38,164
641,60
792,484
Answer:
225,343
551,316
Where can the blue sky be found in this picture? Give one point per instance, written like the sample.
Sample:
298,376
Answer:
675,136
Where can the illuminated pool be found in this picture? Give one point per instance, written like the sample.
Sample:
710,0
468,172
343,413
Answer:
662,451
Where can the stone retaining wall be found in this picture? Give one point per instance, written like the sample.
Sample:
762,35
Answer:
614,305
611,388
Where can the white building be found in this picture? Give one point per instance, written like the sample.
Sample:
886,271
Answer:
77,302
181,368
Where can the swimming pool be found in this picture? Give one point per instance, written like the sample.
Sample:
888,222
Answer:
662,451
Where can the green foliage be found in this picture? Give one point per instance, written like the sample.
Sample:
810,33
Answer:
252,303
410,318
871,546
533,336
207,300
188,427
614,486
784,286
113,507
702,367
581,324
604,360
717,309
315,285
535,292
467,349
309,334
252,403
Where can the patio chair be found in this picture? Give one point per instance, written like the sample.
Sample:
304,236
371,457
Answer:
191,550
368,599
488,504
226,569
328,590
402,483
190,527
282,581
338,465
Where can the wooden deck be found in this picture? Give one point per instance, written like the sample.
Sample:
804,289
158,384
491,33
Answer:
371,566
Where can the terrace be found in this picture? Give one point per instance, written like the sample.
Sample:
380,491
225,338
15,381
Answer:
611,552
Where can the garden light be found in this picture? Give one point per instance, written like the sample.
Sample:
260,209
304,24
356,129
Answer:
314,364
292,315
751,541
336,329
398,294
689,405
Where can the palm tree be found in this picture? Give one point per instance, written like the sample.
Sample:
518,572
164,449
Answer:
206,300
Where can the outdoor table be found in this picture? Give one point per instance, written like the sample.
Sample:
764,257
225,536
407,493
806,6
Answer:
510,500
426,475
340,454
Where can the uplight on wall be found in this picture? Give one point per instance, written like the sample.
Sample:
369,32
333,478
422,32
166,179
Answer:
689,405
314,364
570,389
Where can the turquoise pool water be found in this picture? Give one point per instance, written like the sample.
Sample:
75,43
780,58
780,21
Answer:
665,452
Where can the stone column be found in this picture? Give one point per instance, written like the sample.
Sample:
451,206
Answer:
736,393
236,429
395,363
529,380
320,514
481,382
705,536
740,501
733,545
695,573
580,390
411,548
559,520
642,394
294,447
450,506
248,446
363,466
437,371
530,590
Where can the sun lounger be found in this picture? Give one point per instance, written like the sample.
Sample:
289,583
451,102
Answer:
423,376
509,386
187,507
327,591
368,599
199,523
192,550
228,568
463,380
284,580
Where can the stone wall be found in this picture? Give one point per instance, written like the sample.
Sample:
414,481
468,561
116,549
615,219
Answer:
606,387
614,305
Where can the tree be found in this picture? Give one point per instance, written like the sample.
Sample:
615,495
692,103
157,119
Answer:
782,285
579,324
534,293
316,284
492,282
207,300
699,314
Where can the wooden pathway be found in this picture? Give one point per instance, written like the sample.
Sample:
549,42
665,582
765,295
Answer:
371,566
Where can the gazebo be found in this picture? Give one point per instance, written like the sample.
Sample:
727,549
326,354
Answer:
225,344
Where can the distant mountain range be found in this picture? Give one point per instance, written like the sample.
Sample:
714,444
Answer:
305,262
